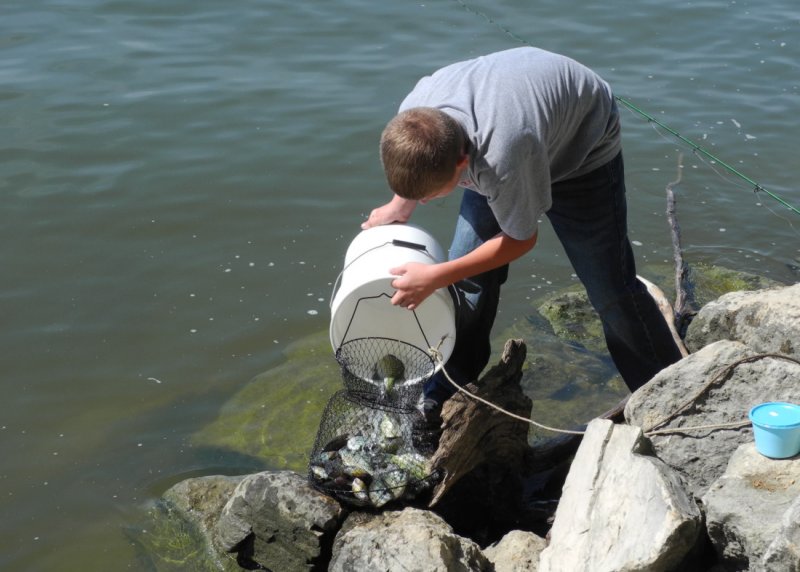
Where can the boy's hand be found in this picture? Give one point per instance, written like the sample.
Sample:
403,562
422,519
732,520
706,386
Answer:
414,283
396,210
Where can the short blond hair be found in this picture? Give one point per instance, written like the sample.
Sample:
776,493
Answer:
420,149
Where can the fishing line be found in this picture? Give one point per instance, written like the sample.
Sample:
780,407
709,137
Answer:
731,181
696,149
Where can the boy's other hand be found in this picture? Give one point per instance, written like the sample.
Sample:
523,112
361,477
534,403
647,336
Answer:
396,210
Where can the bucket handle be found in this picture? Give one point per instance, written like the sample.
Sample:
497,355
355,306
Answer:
451,289
383,294
412,245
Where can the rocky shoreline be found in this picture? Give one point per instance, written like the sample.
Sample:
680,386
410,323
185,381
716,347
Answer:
648,494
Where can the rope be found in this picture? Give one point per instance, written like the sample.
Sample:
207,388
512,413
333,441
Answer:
437,356
723,374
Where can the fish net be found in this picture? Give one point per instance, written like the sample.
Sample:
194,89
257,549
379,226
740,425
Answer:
368,453
387,373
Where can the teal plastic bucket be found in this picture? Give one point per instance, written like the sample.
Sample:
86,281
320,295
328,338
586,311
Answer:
776,428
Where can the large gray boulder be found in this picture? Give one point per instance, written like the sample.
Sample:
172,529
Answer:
276,520
407,540
766,320
702,456
752,512
621,509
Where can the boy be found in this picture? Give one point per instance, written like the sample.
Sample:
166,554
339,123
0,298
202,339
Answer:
525,132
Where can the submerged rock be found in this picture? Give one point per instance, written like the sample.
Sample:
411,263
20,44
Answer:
275,417
572,318
178,533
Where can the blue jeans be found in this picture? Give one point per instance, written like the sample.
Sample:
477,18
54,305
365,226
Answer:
589,216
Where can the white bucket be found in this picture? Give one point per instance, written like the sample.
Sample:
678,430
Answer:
361,304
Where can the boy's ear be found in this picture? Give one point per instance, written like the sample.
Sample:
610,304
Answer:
462,162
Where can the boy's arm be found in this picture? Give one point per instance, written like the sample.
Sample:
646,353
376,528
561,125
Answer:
396,210
417,281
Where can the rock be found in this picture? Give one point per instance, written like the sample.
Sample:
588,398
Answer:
621,509
701,456
752,512
276,520
410,539
766,320
518,551
201,499
784,552
572,318
178,534
709,282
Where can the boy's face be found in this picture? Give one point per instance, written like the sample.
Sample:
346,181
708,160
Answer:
443,192
450,186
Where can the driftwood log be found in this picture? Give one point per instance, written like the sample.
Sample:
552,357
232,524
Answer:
685,307
492,480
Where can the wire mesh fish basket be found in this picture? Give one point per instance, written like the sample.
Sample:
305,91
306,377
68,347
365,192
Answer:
368,455
386,372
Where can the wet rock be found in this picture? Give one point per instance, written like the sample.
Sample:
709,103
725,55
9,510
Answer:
178,533
276,520
201,499
572,318
410,539
709,281
621,509
752,512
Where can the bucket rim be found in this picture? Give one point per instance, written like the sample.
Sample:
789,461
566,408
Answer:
762,407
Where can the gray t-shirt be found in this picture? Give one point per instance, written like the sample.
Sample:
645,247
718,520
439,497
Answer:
533,118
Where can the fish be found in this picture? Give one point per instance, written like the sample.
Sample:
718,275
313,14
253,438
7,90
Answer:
391,370
379,493
319,472
396,480
336,443
357,443
415,464
355,463
360,489
371,464
391,434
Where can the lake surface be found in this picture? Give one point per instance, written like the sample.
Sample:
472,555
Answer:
180,181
